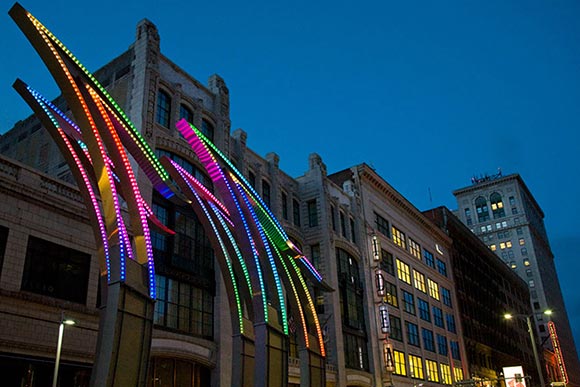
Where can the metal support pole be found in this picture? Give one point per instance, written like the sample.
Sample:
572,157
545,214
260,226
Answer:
536,357
58,349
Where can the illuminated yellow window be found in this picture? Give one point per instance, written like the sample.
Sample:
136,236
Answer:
502,245
458,373
522,242
446,374
416,366
493,247
526,262
415,249
419,280
398,237
399,358
403,272
433,288
508,244
432,371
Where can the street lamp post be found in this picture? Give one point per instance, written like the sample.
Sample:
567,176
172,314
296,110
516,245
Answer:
63,321
528,318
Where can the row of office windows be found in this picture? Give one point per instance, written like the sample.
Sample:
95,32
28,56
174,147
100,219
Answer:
163,114
418,279
407,243
430,371
497,208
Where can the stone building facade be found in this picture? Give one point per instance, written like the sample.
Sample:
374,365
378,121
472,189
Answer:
504,214
486,287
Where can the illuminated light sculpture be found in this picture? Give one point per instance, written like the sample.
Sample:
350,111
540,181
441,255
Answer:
264,272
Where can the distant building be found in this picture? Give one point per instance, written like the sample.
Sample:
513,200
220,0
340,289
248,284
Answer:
503,213
486,287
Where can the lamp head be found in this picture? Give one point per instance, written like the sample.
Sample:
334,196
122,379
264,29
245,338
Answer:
508,316
68,321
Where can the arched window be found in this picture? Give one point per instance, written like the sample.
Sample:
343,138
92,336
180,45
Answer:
207,129
481,208
185,112
163,108
497,205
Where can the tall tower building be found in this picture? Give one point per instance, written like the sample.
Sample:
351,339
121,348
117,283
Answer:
503,213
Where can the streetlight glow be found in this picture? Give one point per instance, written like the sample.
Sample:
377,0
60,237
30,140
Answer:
507,316
69,321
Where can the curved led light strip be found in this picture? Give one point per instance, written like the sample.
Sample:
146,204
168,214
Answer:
215,172
139,141
296,296
266,245
49,109
135,193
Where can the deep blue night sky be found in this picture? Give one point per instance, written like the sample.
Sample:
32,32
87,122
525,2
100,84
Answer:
429,93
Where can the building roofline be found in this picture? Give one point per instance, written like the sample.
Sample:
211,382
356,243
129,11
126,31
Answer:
491,183
379,183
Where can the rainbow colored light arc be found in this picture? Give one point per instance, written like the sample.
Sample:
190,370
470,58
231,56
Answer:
252,243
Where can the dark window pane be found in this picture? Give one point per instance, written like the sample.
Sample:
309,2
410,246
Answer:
56,271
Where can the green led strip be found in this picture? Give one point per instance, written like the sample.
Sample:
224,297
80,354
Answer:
135,134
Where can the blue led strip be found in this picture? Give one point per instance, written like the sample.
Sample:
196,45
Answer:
42,102
226,255
270,257
220,217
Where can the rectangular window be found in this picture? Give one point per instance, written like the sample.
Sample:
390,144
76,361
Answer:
454,345
458,373
522,241
315,255
442,345
446,296
438,317
352,231
184,307
333,217
451,323
56,271
382,225
446,374
396,330
423,309
432,371
355,350
416,367
163,108
266,194
343,224
391,294
3,240
412,334
419,280
428,340
429,259
408,302
399,237
441,267
403,272
284,206
433,288
387,263
252,179
296,212
415,249
312,213
399,359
